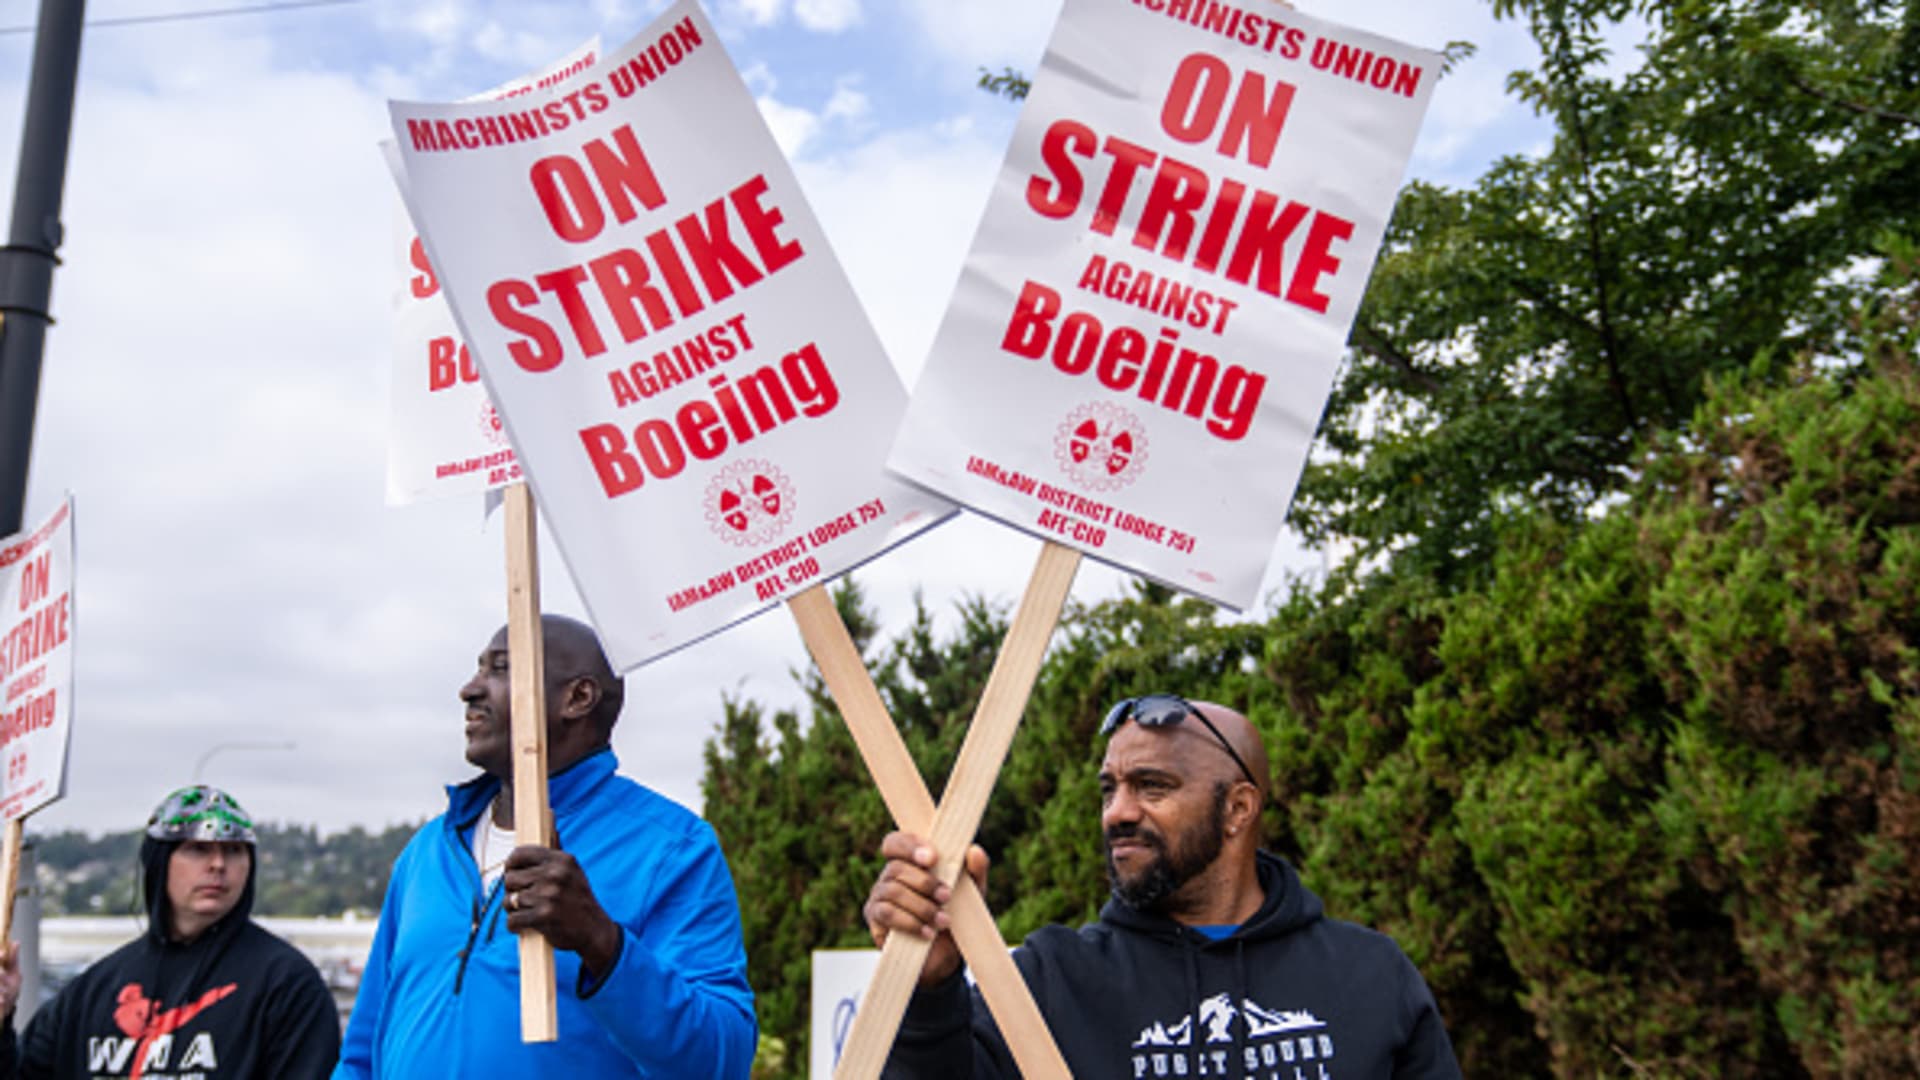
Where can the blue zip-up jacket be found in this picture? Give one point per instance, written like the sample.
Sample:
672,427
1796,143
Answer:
440,995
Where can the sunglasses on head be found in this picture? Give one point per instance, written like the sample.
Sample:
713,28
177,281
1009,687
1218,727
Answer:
1165,710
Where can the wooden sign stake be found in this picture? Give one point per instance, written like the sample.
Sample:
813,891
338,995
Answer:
907,799
532,817
10,852
951,827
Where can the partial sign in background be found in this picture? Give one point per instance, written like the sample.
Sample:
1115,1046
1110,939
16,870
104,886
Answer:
1142,341
446,438
1146,329
673,347
36,681
837,979
36,663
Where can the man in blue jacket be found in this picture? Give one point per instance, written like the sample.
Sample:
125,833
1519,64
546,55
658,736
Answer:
1210,960
634,896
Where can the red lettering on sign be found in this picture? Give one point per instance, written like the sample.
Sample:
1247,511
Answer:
564,193
541,349
1197,99
1062,196
422,284
573,208
34,578
1226,397
34,636
714,266
449,363
1176,198
768,397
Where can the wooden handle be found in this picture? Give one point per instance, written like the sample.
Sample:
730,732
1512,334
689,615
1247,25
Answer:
998,714
950,829
10,852
532,818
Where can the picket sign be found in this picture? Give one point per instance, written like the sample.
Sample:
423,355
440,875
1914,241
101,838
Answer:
951,827
445,437
36,591
532,815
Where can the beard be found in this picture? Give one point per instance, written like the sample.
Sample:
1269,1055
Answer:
1171,868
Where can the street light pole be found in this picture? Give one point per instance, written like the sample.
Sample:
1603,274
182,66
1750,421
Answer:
33,244
242,744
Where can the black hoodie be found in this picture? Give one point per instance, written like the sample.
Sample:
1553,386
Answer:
235,1003
1290,995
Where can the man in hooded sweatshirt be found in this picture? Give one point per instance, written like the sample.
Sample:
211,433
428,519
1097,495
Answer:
1211,959
204,993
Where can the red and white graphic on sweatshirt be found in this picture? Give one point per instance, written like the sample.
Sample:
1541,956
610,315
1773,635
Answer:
147,1040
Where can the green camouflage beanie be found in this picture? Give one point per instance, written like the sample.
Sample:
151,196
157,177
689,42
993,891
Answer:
200,813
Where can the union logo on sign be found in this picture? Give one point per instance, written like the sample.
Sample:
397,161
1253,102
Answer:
749,502
1101,446
490,425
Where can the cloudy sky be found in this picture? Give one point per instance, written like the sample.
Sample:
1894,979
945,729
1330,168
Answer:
215,397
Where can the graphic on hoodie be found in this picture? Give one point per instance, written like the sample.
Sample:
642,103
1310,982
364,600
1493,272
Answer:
1274,1044
148,1031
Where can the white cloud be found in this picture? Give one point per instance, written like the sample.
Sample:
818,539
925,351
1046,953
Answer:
440,23
987,33
757,12
827,16
847,103
793,127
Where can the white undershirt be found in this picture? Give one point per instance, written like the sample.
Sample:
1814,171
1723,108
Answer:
491,845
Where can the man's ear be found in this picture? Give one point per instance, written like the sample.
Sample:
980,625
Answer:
1243,809
580,698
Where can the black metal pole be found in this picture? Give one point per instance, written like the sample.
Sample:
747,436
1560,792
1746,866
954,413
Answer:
33,244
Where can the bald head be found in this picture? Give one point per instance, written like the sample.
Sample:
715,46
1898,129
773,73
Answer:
573,655
582,700
1238,732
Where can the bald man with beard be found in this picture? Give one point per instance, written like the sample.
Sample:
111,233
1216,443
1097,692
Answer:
633,894
1210,959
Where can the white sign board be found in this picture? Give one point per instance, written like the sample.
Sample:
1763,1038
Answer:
36,663
840,977
698,397
1146,329
446,438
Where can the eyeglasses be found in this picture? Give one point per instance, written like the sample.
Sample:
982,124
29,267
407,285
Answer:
1165,710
